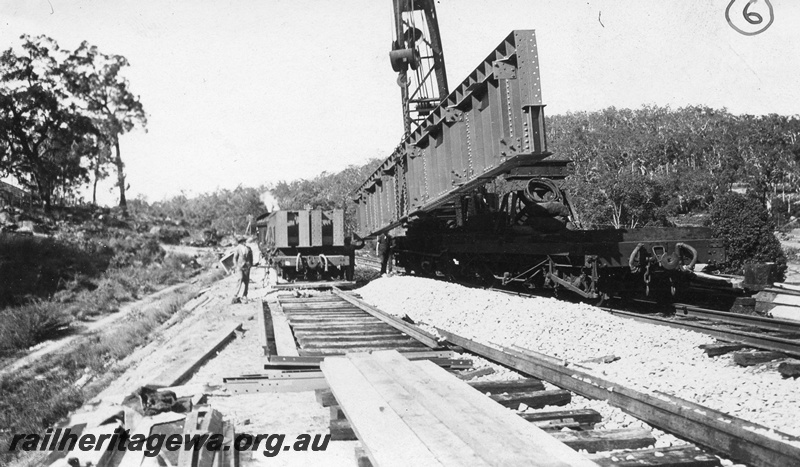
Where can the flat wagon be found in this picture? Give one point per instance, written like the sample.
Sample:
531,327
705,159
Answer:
471,193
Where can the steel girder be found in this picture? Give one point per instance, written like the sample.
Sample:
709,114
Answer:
492,123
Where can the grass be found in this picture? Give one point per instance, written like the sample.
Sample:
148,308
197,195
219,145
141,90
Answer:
38,267
25,325
38,397
48,283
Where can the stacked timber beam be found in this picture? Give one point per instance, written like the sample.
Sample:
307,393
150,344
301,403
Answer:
416,413
107,419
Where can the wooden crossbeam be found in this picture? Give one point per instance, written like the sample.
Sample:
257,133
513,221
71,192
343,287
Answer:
735,437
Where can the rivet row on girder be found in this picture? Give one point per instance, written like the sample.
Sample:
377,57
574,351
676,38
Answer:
469,144
509,110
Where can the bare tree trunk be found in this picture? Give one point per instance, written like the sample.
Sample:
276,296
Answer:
123,203
94,188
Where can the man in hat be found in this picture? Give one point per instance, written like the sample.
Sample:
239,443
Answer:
242,262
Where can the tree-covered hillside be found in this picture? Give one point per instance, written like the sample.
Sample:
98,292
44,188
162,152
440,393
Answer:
636,167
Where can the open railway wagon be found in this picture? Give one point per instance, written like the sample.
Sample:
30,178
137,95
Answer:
306,244
470,193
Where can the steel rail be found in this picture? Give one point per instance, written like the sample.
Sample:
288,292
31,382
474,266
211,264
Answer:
774,324
397,323
734,437
369,262
760,341
752,339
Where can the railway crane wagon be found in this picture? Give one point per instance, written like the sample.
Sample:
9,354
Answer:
470,192
306,244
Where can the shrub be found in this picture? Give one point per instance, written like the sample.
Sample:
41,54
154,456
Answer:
33,399
33,266
25,325
745,226
135,251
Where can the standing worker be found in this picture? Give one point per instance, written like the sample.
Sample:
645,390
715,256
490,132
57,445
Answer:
384,249
242,262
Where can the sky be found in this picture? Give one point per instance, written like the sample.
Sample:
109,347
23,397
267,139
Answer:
252,92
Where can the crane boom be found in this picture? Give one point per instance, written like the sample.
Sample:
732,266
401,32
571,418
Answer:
418,59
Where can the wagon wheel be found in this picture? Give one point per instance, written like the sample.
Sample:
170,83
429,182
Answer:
542,191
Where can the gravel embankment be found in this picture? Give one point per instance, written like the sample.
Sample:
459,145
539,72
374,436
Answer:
652,358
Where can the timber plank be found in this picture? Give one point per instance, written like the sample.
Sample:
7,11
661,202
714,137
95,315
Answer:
606,440
320,336
284,341
143,428
326,397
333,319
180,370
442,442
722,432
321,322
386,438
362,460
557,419
341,430
676,456
517,385
756,358
299,298
493,430
348,344
333,328
265,329
314,285
355,329
321,313
789,368
722,348
332,352
533,399
292,300
468,375
323,309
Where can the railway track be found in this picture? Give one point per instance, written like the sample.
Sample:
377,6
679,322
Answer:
300,331
770,334
369,262
375,263
781,336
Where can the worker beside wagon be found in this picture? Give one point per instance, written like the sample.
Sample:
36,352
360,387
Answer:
384,250
242,262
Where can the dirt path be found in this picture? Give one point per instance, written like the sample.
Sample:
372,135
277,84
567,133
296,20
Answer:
85,328
265,413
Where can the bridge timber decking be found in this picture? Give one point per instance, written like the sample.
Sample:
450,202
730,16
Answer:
416,413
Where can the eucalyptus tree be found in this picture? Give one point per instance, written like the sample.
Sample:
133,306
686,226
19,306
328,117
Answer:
103,93
43,135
